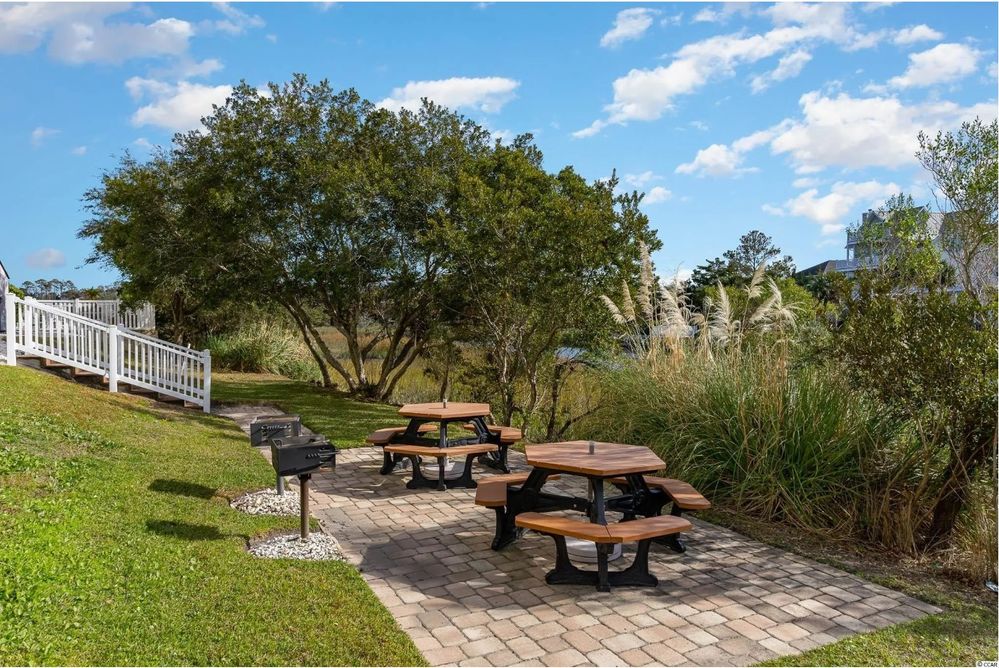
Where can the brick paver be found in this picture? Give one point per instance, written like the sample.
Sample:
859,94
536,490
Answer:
727,601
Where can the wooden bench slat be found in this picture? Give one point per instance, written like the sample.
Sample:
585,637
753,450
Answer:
490,494
429,451
492,489
383,436
566,526
683,493
648,527
506,434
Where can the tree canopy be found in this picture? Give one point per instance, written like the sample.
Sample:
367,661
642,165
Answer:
398,230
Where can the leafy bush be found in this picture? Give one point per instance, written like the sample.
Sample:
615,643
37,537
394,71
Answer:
263,348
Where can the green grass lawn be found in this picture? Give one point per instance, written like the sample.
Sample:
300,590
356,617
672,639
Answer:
963,634
344,421
118,546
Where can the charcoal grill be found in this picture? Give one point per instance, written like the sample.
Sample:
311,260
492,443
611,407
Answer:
301,456
263,429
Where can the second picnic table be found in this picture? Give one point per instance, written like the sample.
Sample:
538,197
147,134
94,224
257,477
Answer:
487,443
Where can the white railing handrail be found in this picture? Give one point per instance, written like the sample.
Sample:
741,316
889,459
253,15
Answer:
48,308
121,355
108,311
168,344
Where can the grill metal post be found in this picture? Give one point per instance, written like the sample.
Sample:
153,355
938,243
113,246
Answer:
303,483
280,485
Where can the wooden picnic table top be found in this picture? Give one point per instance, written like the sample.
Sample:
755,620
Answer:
608,459
437,410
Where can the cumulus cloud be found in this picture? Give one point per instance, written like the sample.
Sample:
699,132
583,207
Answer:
176,107
629,24
79,150
657,195
46,258
772,210
82,33
852,132
994,70
913,34
234,21
788,67
641,180
485,94
840,131
830,210
941,64
645,94
40,134
723,13
805,182
726,160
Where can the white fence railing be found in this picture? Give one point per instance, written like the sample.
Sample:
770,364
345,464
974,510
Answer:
108,311
118,354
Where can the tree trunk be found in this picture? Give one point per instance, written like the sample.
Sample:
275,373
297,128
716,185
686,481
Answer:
320,362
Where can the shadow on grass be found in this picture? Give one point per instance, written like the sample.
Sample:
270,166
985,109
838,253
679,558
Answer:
182,488
184,530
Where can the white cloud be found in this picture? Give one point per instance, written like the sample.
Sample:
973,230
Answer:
699,125
772,210
645,94
726,160
485,94
177,106
723,14
672,20
994,70
80,33
789,66
854,132
235,21
941,64
657,195
46,258
144,144
641,180
805,182
40,134
188,68
629,24
79,150
913,34
830,210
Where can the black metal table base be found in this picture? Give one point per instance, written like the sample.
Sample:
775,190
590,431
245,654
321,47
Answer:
635,575
420,481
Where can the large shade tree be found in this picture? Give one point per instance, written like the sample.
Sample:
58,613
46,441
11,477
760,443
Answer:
395,229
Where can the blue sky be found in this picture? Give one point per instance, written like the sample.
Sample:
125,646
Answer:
789,118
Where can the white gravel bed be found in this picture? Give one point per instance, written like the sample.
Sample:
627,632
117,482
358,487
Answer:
317,547
269,502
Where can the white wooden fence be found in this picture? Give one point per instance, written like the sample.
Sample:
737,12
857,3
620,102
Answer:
108,311
119,354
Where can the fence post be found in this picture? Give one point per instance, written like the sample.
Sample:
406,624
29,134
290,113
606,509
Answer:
11,329
113,358
28,344
206,359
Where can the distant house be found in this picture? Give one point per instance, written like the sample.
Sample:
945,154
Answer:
4,286
859,257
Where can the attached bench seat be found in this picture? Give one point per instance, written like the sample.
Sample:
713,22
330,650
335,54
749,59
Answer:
491,492
682,494
640,531
416,452
507,435
383,436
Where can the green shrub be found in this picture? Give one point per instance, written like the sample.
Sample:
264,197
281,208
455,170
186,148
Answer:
779,443
263,348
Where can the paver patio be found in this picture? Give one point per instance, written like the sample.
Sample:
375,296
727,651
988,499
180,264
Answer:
728,600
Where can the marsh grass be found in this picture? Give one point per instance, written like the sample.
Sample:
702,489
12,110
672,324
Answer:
263,348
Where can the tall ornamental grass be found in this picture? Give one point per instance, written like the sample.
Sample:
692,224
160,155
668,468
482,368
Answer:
263,348
748,432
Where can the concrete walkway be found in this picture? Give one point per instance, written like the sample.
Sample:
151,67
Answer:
728,600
